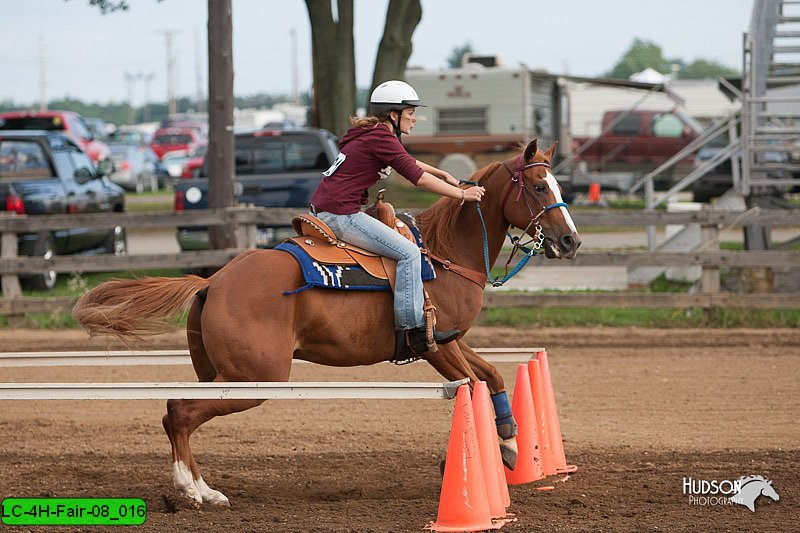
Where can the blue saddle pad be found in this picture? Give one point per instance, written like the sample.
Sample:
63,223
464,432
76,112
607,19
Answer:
345,277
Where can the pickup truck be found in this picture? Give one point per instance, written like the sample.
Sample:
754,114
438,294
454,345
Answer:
274,168
44,173
637,141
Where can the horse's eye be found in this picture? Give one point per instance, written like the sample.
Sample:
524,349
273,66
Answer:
540,188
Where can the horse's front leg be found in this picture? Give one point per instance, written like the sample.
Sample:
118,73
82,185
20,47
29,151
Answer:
504,419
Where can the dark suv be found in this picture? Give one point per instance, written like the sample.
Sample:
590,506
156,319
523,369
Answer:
47,173
274,168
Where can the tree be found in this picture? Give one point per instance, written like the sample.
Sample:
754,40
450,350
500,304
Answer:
333,56
640,55
402,18
333,64
643,54
456,58
703,68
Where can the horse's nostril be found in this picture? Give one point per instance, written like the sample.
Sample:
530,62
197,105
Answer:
568,242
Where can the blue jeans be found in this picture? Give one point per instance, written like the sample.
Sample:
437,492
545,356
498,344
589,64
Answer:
371,234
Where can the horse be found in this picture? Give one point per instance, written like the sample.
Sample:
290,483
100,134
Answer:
241,326
751,487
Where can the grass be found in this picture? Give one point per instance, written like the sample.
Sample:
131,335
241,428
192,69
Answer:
149,201
649,318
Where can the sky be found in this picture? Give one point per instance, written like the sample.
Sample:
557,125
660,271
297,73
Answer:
86,55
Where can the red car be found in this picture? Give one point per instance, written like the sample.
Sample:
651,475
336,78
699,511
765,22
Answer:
69,122
172,139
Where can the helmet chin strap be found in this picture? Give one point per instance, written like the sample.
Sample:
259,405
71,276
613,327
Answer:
396,125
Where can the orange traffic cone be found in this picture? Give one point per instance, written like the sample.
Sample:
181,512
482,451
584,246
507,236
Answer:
542,425
554,427
594,193
496,487
463,504
528,466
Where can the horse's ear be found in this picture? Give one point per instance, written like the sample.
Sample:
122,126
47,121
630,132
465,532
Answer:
530,150
551,152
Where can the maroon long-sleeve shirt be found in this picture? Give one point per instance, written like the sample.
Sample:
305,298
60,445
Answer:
365,152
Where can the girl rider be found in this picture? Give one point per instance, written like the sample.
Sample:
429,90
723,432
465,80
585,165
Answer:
369,151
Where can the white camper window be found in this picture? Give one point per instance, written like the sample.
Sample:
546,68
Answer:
463,120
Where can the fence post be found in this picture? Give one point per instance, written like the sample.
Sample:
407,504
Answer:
709,236
246,231
8,250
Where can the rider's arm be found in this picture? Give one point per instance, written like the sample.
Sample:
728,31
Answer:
429,182
437,172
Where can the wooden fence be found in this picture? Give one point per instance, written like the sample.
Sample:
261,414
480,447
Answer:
710,258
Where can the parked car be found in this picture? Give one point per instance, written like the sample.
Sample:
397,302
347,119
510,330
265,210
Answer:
274,168
134,167
200,126
70,123
127,135
45,173
171,139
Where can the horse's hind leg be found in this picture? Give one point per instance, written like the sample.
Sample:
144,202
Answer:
182,418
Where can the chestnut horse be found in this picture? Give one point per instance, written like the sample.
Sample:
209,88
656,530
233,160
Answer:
241,326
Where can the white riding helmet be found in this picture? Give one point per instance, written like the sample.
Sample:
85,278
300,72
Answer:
393,95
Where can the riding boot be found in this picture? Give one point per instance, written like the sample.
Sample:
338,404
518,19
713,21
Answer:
413,343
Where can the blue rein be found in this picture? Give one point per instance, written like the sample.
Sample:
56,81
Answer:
529,252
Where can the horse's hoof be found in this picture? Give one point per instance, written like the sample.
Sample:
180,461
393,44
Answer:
508,452
211,496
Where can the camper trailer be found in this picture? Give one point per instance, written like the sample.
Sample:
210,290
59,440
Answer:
482,113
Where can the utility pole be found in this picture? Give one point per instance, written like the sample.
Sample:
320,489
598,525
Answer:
129,80
42,72
295,88
220,119
198,74
147,79
171,104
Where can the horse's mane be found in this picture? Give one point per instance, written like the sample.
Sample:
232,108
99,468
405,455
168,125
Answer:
438,222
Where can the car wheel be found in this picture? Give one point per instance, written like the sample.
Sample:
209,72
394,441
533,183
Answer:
117,242
44,281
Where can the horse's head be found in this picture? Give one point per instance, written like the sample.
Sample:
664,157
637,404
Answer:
533,202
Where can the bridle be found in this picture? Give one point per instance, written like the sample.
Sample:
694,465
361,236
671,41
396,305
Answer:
522,192
537,241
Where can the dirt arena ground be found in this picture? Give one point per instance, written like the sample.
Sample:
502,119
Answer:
640,410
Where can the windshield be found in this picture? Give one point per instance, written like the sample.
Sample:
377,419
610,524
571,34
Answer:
22,159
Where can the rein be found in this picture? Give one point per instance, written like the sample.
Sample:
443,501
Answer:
537,240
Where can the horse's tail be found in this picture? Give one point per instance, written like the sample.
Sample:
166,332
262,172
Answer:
132,308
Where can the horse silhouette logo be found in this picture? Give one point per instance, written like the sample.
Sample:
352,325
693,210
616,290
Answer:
751,487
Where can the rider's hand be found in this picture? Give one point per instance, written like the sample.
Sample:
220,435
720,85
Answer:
474,194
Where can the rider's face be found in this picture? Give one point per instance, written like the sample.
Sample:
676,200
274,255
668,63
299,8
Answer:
408,117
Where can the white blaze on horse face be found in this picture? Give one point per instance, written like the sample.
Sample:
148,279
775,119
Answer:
551,181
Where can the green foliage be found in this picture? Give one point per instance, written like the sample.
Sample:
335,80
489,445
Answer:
643,54
457,55
653,318
703,68
640,55
109,6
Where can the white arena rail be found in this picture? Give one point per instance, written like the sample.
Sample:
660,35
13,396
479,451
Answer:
230,391
181,357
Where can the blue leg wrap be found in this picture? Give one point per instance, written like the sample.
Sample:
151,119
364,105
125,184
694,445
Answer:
503,419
